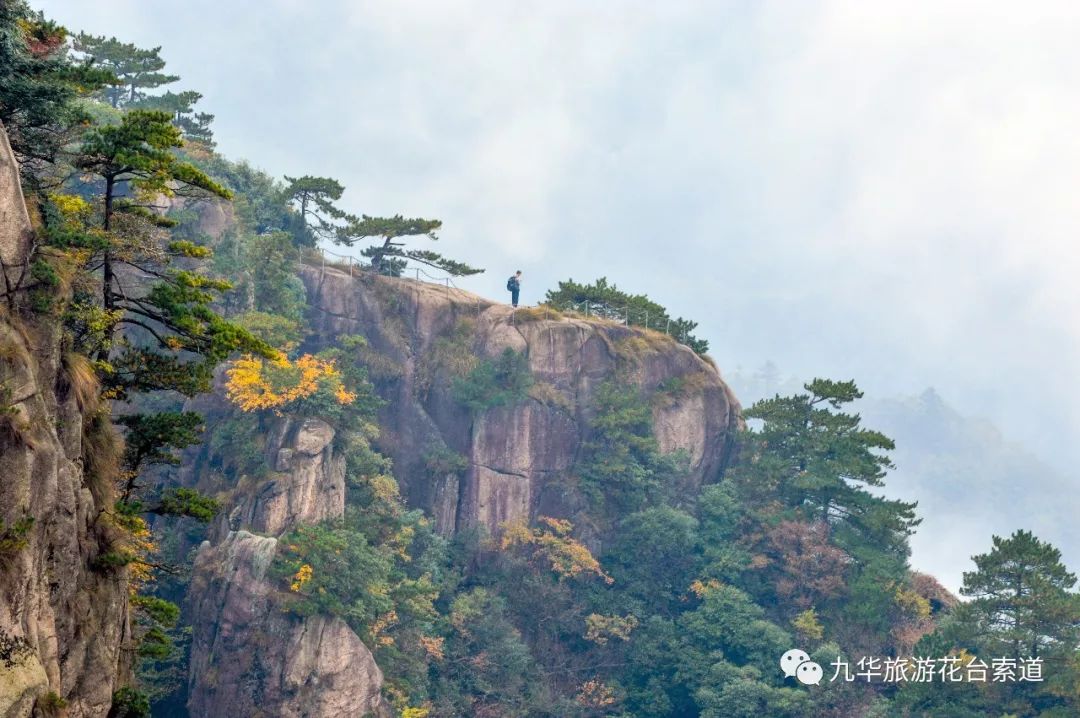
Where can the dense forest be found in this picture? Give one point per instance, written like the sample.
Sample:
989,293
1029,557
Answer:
172,281
969,478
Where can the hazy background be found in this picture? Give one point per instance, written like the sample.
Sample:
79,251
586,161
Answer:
869,190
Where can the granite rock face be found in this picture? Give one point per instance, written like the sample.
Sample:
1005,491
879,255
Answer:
68,619
519,459
15,232
308,486
248,656
514,463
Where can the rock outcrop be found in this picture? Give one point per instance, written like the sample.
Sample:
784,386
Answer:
248,656
519,459
15,232
63,622
308,486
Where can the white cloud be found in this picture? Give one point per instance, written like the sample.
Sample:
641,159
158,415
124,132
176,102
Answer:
868,189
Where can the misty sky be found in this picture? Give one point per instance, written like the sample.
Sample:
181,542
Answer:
869,190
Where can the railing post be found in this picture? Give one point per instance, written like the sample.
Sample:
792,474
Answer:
646,318
586,308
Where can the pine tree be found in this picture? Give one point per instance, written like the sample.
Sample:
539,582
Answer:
1023,606
180,336
820,462
38,85
392,256
607,300
136,69
194,125
1023,601
314,198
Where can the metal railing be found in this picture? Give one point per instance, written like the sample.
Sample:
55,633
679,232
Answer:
355,265
627,317
624,315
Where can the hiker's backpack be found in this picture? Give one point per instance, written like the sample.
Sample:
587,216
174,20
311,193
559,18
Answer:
511,284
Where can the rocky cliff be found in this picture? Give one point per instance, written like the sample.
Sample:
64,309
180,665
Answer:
63,622
518,458
16,235
248,656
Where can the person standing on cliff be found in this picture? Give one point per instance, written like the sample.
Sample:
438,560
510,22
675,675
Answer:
514,285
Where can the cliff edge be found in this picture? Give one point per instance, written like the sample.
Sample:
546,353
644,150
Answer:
519,458
63,619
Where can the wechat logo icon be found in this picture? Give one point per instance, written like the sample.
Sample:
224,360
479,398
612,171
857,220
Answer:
797,664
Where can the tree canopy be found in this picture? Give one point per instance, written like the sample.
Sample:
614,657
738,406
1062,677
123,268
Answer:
314,198
1022,598
608,301
194,125
391,256
135,69
38,86
138,288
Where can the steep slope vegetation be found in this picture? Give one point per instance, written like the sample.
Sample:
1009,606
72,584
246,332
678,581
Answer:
63,616
518,457
515,464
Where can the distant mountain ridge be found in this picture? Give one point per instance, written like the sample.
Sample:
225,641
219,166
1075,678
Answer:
970,480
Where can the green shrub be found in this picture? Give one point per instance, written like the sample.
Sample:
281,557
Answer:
13,539
130,702
274,329
333,570
51,704
442,460
238,446
271,259
503,681
500,382
451,356
187,502
112,560
622,468
45,280
608,302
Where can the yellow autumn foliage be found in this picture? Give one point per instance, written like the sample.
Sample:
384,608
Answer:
703,588
382,624
433,646
140,542
255,384
912,604
74,209
808,626
551,543
600,628
302,576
